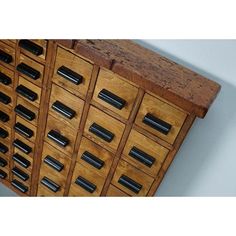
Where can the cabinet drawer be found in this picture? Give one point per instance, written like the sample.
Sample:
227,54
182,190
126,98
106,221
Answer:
113,92
85,182
31,70
20,186
115,192
43,191
71,72
22,159
4,148
60,136
7,54
94,157
131,180
6,115
6,77
21,174
4,173
5,133
29,91
144,153
160,118
65,106
103,129
6,95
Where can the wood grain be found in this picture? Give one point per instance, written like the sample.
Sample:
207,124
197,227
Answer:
115,192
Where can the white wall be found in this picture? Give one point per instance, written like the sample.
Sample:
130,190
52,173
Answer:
206,162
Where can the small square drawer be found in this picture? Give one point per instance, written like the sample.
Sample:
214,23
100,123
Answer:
31,70
4,172
65,106
160,118
7,54
21,174
20,186
115,93
115,192
5,133
6,77
22,159
103,129
4,148
6,115
144,153
72,72
6,95
94,157
60,136
131,180
44,191
29,91
85,182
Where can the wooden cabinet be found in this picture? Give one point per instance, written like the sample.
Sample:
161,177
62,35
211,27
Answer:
93,117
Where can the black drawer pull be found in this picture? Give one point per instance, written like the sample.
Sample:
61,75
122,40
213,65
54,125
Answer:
101,132
3,162
4,79
58,138
92,160
21,160
23,130
142,156
31,47
17,184
3,174
156,123
70,75
50,184
130,184
3,148
5,57
22,146
63,109
55,164
19,173
4,117
85,184
25,112
112,99
27,93
28,71
3,133
4,98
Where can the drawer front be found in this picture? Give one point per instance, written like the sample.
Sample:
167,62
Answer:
22,159
131,180
160,118
94,157
5,133
21,174
4,148
6,115
29,91
65,106
85,182
6,98
20,186
6,77
144,153
113,92
33,71
103,129
115,192
4,173
7,54
60,136
77,78
43,191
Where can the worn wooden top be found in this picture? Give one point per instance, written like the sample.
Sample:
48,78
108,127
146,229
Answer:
179,85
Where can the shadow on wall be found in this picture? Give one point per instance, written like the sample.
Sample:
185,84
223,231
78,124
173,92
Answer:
203,142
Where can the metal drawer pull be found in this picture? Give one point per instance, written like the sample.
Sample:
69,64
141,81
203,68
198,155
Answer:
3,133
142,156
23,130
112,99
58,138
63,109
27,93
92,160
5,57
156,123
4,79
4,98
85,184
101,132
55,164
22,146
17,184
3,162
3,174
21,160
31,47
28,71
70,75
50,184
130,184
4,117
3,148
19,173
25,112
